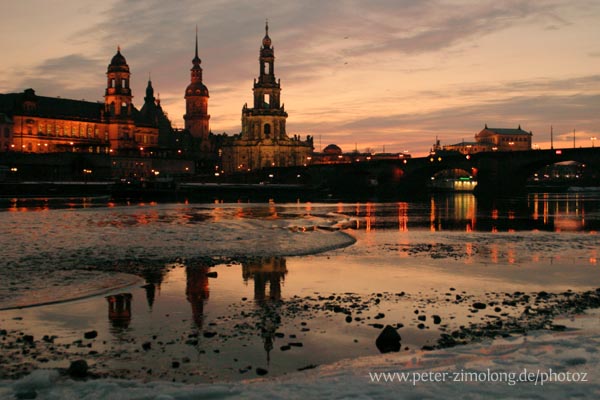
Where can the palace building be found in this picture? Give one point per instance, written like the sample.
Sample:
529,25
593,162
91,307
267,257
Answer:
263,141
494,139
139,140
40,124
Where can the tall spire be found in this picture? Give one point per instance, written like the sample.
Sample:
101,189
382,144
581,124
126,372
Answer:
196,61
196,41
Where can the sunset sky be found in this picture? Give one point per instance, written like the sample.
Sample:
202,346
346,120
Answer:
393,73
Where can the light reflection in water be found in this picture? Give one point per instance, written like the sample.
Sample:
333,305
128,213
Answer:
462,212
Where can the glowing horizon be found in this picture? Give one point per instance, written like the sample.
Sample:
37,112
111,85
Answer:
389,73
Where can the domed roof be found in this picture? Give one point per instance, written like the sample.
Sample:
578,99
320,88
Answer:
332,149
196,89
118,62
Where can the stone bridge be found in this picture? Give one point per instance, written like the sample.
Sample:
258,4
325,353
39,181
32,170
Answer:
496,172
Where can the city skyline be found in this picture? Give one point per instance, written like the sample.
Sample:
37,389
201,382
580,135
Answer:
358,74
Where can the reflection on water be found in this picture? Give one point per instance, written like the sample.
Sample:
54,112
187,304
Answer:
326,305
119,311
442,212
463,212
265,271
197,291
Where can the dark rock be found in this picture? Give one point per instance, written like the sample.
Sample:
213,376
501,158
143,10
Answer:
436,319
279,335
208,334
175,364
28,339
285,347
379,316
78,369
261,371
146,346
296,344
377,326
388,340
479,306
348,318
211,274
90,335
421,317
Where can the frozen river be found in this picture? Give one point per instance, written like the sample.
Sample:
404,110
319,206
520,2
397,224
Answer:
227,292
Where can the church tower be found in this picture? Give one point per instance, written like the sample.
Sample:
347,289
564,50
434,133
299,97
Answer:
118,107
264,142
267,119
117,98
196,104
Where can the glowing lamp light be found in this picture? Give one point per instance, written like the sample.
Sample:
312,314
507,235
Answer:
468,157
558,152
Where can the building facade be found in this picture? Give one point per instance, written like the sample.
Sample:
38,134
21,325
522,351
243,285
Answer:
40,124
263,141
493,139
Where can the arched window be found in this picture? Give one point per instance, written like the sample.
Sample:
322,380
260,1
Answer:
267,68
112,83
267,130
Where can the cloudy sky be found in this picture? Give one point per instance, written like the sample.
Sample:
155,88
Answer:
365,73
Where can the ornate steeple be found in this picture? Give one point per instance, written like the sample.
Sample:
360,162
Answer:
196,69
149,92
196,100
267,60
117,97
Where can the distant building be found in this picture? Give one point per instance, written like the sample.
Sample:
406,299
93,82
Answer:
333,154
493,139
263,141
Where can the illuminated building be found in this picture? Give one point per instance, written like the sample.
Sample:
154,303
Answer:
263,141
43,124
196,106
493,139
332,154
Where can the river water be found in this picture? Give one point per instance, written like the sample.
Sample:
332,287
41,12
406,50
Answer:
230,291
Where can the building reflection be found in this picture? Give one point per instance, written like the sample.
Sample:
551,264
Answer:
267,273
197,291
465,212
119,310
154,278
